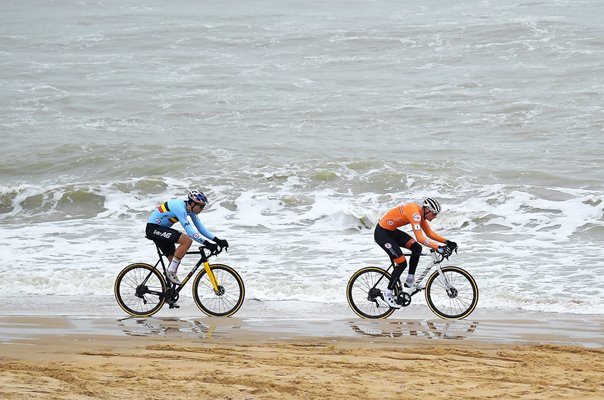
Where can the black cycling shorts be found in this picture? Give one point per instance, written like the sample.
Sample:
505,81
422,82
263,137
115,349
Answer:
165,238
391,241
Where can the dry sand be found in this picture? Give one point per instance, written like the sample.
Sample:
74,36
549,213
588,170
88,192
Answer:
55,360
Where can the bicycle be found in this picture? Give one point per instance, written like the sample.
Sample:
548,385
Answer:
141,289
451,292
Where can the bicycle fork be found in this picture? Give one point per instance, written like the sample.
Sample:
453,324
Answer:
441,277
211,276
213,280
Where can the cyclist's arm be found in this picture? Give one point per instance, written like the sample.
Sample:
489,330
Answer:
186,224
430,233
412,213
201,227
179,209
420,237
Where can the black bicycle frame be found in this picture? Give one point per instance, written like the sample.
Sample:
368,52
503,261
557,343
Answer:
203,258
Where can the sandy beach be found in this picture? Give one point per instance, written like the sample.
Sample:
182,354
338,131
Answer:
51,357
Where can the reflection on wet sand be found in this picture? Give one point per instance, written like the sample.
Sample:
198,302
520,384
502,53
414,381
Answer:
434,329
206,328
221,328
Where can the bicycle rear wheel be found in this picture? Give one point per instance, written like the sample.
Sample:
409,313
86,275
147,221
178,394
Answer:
231,291
364,293
139,290
456,300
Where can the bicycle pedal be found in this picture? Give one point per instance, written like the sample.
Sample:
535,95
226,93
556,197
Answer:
174,306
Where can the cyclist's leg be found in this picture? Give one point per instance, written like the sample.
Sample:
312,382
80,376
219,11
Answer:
165,238
388,241
416,249
184,244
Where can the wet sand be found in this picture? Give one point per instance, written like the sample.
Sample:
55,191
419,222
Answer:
53,357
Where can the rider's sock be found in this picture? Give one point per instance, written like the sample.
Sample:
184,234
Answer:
174,264
388,293
410,280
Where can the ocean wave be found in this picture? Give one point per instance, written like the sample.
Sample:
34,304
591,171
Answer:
303,237
327,196
50,204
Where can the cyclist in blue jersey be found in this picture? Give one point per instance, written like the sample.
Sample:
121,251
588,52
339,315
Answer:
159,229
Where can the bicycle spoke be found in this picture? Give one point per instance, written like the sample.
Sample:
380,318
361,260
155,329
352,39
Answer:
453,294
360,297
138,290
229,297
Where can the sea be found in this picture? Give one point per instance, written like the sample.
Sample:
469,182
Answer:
303,122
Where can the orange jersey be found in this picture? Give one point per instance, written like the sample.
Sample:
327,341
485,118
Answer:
411,213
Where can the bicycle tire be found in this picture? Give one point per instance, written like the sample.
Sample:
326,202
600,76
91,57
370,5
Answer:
456,305
139,290
222,304
359,297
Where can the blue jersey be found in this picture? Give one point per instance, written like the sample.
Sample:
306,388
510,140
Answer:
173,211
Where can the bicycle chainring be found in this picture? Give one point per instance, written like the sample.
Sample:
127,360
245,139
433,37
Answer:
171,296
403,299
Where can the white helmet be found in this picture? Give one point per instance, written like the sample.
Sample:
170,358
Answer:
432,205
197,197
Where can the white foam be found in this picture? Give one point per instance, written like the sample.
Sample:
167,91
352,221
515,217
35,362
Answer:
308,251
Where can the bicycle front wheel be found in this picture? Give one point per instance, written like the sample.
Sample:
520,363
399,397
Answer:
364,293
229,297
139,289
452,295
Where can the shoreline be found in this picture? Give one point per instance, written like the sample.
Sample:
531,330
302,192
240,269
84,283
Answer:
33,316
563,330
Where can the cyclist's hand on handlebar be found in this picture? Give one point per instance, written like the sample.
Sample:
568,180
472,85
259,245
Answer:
221,242
451,245
444,251
210,246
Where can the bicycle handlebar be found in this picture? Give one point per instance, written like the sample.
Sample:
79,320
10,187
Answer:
212,252
423,254
432,251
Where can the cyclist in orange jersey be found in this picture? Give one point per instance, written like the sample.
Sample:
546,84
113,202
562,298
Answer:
390,239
